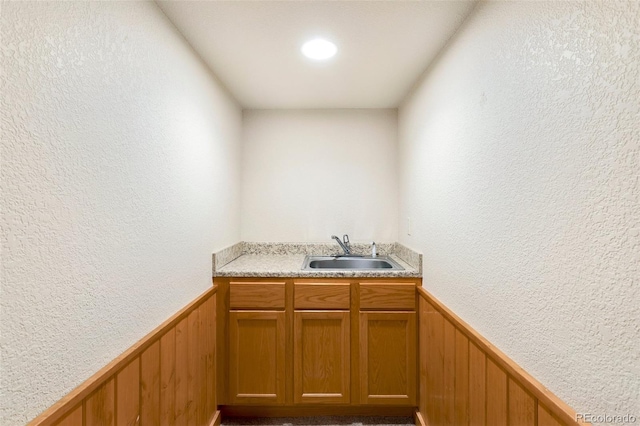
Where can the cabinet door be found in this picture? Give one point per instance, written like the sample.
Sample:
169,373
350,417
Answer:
388,358
321,357
256,357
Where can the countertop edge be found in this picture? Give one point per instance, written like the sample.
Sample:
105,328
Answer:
359,274
282,259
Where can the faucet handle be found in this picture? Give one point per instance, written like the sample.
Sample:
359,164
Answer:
345,239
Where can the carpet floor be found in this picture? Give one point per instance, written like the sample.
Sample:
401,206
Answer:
318,421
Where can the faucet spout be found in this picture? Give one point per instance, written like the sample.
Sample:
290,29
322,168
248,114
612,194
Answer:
345,245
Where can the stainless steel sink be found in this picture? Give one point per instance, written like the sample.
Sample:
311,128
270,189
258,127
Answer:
353,263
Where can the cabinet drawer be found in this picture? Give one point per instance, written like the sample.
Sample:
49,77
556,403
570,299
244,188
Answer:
256,295
321,296
388,296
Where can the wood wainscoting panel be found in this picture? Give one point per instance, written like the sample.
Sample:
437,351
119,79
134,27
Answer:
477,377
448,373
465,380
149,383
435,364
168,378
461,375
193,368
496,394
545,418
423,348
182,372
73,418
522,406
100,405
209,338
128,394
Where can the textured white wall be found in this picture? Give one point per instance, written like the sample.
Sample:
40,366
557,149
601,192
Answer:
520,162
120,176
308,174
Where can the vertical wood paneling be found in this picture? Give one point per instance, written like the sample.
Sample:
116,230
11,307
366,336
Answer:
100,406
206,340
128,394
202,360
150,385
462,379
182,371
545,418
435,364
449,358
477,378
496,394
193,381
522,406
74,418
168,378
423,342
211,357
489,389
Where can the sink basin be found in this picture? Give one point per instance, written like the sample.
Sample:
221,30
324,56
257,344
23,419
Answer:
351,263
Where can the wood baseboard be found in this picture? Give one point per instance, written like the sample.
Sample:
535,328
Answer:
314,410
216,419
418,419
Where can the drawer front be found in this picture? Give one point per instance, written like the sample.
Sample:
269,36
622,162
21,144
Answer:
388,296
322,296
256,295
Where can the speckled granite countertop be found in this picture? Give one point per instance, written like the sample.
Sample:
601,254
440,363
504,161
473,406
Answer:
286,259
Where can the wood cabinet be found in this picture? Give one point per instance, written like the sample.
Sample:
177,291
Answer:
388,358
387,296
321,344
256,355
337,344
321,357
257,334
387,343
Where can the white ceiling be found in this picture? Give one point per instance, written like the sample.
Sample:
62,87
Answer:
253,47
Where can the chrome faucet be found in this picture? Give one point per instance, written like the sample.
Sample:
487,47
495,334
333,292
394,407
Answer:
345,245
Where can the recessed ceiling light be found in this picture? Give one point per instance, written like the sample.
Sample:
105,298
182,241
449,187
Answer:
319,49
